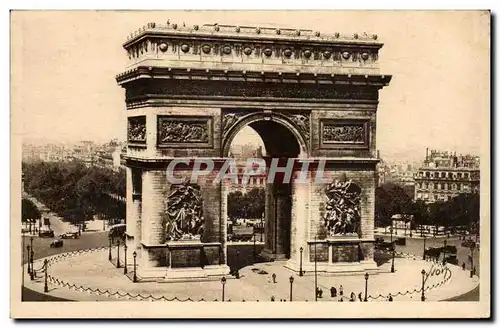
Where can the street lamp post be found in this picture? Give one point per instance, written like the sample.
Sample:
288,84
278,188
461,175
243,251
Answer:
118,254
110,245
393,251
29,259
445,242
254,251
366,286
22,250
223,282
423,287
315,274
237,271
423,256
291,287
472,247
125,265
135,266
46,265
32,276
301,273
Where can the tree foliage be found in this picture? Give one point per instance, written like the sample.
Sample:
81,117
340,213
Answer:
29,211
391,199
74,191
462,210
246,206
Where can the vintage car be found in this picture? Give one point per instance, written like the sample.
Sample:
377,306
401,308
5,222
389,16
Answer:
469,243
117,231
46,233
57,242
70,235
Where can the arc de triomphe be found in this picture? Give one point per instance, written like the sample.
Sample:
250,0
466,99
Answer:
190,90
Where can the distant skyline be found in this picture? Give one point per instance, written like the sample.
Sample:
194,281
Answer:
64,66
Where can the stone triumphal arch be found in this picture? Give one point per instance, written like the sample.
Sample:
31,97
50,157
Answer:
190,90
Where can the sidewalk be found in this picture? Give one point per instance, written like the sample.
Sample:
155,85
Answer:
93,270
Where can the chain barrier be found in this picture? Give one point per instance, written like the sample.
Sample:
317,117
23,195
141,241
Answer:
407,292
118,294
150,297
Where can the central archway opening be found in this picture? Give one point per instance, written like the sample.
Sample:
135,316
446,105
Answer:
267,206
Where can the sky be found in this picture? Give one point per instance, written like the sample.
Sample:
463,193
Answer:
64,65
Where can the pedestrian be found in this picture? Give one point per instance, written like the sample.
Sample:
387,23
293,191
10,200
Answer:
360,297
463,266
341,299
333,292
274,277
341,290
390,298
353,297
272,298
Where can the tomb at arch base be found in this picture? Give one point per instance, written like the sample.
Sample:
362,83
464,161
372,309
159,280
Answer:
341,255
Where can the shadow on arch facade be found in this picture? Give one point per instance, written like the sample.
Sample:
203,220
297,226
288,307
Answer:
190,90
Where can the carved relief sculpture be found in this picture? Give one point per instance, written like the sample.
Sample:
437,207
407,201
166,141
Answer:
229,119
184,213
137,129
344,133
301,120
342,209
172,131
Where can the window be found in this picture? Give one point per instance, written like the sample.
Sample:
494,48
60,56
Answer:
459,175
450,175
445,186
427,174
443,175
466,175
439,186
453,186
449,197
431,185
424,185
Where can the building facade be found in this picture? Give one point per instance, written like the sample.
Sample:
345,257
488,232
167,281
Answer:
445,175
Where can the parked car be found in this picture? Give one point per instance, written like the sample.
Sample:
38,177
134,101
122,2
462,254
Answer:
385,246
57,242
46,233
70,235
452,259
117,231
468,243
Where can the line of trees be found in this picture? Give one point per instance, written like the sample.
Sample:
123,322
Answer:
29,213
250,205
462,210
74,191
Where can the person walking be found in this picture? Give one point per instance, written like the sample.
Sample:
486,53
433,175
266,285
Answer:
341,290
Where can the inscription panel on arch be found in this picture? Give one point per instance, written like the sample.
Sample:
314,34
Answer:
185,131
344,134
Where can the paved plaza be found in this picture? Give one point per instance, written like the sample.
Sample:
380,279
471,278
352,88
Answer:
92,270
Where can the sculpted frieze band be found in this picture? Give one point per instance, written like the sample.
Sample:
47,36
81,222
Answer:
249,90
